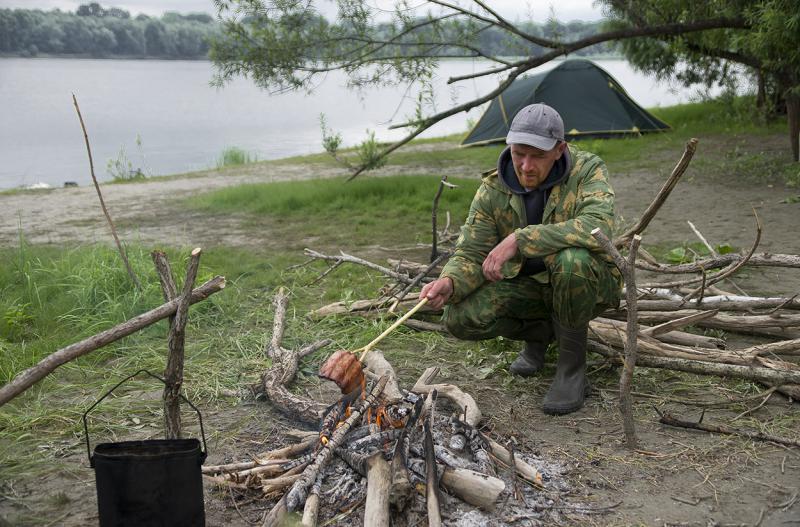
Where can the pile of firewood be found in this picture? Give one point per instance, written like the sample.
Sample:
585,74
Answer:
391,450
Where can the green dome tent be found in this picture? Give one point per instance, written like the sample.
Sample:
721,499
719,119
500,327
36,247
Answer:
590,101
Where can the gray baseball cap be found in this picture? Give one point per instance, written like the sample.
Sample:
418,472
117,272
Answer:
536,125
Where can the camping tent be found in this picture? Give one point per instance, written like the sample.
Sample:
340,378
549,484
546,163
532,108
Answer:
589,100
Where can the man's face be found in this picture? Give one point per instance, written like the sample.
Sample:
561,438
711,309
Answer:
533,165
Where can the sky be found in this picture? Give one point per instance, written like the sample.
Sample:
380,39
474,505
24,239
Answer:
565,10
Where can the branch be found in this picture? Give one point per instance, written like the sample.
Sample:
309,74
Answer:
662,195
121,249
32,375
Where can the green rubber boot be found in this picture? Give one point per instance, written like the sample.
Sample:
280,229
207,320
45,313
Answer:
570,386
530,360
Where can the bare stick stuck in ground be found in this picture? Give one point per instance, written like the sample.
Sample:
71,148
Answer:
120,248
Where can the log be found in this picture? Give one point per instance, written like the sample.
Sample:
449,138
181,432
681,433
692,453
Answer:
376,511
674,302
527,471
724,260
341,308
668,419
753,373
32,375
460,398
173,374
311,508
473,487
614,336
343,257
678,323
784,326
432,498
378,365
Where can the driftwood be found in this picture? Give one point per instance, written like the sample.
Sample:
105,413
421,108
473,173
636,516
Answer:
523,468
120,248
723,260
449,391
668,419
377,364
311,508
285,364
29,377
768,376
432,498
379,481
173,374
473,487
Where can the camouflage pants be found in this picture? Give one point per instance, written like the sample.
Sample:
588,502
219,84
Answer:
581,287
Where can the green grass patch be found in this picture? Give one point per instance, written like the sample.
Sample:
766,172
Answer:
396,208
235,156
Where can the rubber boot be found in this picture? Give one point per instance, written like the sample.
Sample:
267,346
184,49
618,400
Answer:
530,360
570,386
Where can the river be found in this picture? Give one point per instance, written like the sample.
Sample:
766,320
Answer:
183,124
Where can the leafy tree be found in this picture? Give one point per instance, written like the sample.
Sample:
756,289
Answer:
92,9
768,48
287,44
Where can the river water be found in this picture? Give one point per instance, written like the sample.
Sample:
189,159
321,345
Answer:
184,124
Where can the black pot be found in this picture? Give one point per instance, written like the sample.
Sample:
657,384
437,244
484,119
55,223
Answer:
152,483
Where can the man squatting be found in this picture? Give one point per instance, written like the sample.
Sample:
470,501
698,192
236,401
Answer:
526,266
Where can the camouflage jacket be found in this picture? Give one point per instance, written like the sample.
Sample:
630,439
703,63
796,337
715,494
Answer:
576,206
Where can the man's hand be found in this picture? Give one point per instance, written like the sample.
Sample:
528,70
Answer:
502,253
438,292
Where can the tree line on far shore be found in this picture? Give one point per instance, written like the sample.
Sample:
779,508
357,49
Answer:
98,32
95,31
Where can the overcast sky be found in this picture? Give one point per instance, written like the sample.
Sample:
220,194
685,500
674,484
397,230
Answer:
565,10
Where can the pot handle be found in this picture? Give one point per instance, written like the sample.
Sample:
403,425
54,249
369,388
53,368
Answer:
120,383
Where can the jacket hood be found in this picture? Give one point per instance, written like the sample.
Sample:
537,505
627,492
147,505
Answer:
507,176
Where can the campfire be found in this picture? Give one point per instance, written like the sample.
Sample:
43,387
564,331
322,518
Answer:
382,450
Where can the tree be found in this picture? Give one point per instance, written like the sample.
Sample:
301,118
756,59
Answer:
287,44
768,48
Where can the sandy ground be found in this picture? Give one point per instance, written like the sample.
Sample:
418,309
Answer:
678,477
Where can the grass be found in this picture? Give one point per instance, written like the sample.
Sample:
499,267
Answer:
235,156
395,208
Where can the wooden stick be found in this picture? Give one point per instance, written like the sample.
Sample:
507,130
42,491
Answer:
27,378
168,287
279,302
523,468
668,419
754,373
628,270
442,183
723,260
417,279
678,323
311,508
376,510
173,374
460,398
391,328
121,249
432,497
343,257
473,487
661,197
732,268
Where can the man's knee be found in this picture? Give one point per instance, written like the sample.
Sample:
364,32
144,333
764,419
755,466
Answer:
574,261
574,279
458,322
